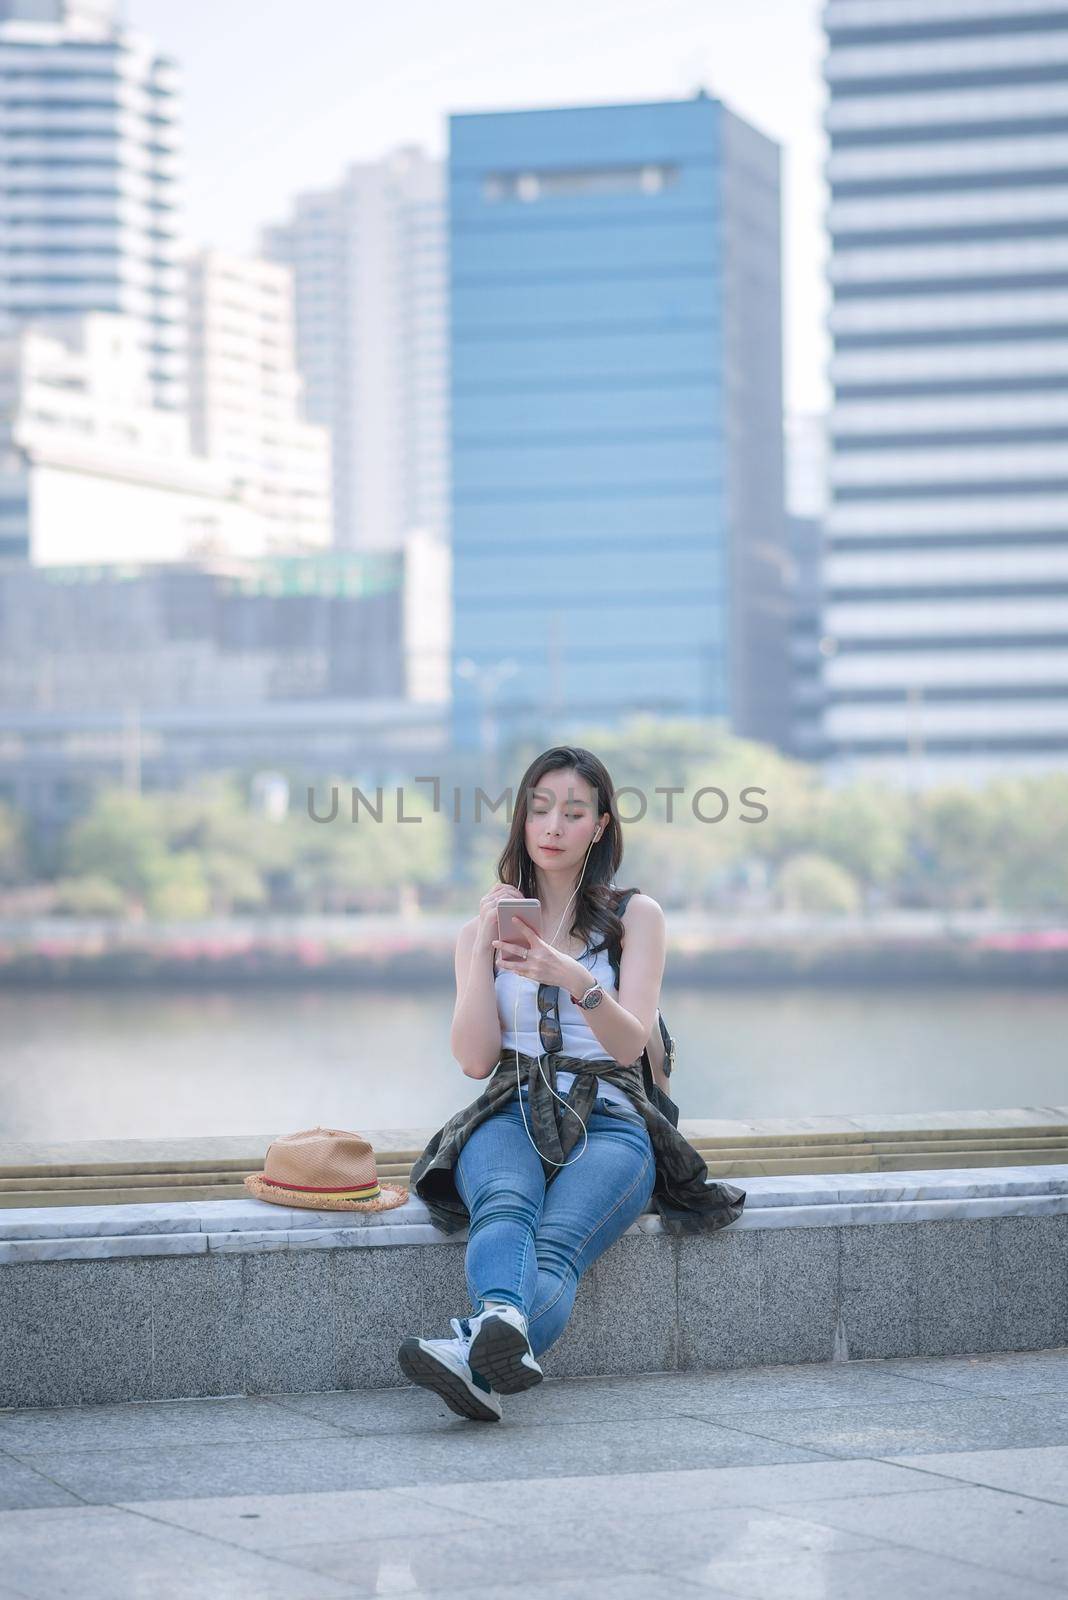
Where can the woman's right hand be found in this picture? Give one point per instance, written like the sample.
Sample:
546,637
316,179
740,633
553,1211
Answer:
487,912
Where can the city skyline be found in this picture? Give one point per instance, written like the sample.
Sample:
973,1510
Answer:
314,102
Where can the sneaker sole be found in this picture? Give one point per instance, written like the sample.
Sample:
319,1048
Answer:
422,1369
497,1352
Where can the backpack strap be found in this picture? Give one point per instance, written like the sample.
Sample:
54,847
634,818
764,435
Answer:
615,954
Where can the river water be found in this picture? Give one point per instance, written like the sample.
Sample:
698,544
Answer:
159,1064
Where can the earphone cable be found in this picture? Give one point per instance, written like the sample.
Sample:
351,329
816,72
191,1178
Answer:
541,1073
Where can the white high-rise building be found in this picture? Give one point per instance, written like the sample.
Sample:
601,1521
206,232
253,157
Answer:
805,462
89,177
370,277
92,472
246,397
946,564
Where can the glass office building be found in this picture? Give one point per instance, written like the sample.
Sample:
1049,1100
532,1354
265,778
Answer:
616,401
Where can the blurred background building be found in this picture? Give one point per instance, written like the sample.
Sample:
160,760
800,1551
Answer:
245,395
150,676
806,493
617,513
946,566
369,263
91,469
90,204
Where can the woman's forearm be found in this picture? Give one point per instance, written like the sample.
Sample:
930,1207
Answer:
476,1028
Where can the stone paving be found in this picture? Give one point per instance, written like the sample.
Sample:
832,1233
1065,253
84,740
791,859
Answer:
936,1478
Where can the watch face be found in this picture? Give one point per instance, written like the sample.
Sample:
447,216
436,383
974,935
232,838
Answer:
593,998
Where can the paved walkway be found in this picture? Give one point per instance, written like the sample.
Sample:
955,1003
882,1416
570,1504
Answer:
931,1479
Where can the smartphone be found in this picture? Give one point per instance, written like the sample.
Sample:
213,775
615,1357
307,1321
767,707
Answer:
507,928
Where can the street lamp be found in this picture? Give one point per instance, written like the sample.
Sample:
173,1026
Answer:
487,680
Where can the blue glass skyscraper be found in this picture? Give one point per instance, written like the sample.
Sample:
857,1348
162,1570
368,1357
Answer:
616,418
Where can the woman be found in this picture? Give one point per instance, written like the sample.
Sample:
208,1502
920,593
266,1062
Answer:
559,1070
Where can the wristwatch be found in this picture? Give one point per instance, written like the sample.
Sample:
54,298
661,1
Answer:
591,998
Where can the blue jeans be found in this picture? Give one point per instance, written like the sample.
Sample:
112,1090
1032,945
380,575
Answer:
529,1243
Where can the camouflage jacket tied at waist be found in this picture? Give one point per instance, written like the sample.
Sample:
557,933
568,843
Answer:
687,1200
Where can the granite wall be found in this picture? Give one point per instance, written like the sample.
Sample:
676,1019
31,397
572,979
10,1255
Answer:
284,1318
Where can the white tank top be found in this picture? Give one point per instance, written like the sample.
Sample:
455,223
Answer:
579,1038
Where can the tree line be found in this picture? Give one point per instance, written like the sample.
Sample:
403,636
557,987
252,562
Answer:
209,850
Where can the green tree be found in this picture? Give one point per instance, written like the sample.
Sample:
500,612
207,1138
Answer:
238,849
179,890
1030,871
864,829
344,865
811,882
12,846
88,896
955,835
123,839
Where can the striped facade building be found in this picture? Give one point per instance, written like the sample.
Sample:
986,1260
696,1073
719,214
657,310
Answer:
90,178
945,618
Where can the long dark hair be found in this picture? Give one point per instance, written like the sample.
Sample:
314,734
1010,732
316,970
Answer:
594,910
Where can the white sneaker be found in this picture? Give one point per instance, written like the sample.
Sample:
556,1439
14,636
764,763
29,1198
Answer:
442,1365
500,1349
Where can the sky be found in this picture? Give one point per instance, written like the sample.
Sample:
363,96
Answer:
281,97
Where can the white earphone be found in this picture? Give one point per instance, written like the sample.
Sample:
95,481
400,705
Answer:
515,1031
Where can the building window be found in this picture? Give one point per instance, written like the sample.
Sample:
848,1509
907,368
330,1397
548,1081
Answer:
649,178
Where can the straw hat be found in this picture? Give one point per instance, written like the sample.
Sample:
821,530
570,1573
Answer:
324,1169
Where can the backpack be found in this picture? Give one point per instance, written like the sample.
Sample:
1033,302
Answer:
653,1092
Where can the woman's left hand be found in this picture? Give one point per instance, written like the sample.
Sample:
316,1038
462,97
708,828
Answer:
541,962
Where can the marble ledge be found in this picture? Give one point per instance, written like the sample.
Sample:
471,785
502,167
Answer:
116,1246
248,1216
86,1233
102,1247
880,1211
924,1184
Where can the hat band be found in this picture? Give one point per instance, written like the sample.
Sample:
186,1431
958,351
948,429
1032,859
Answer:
366,1191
